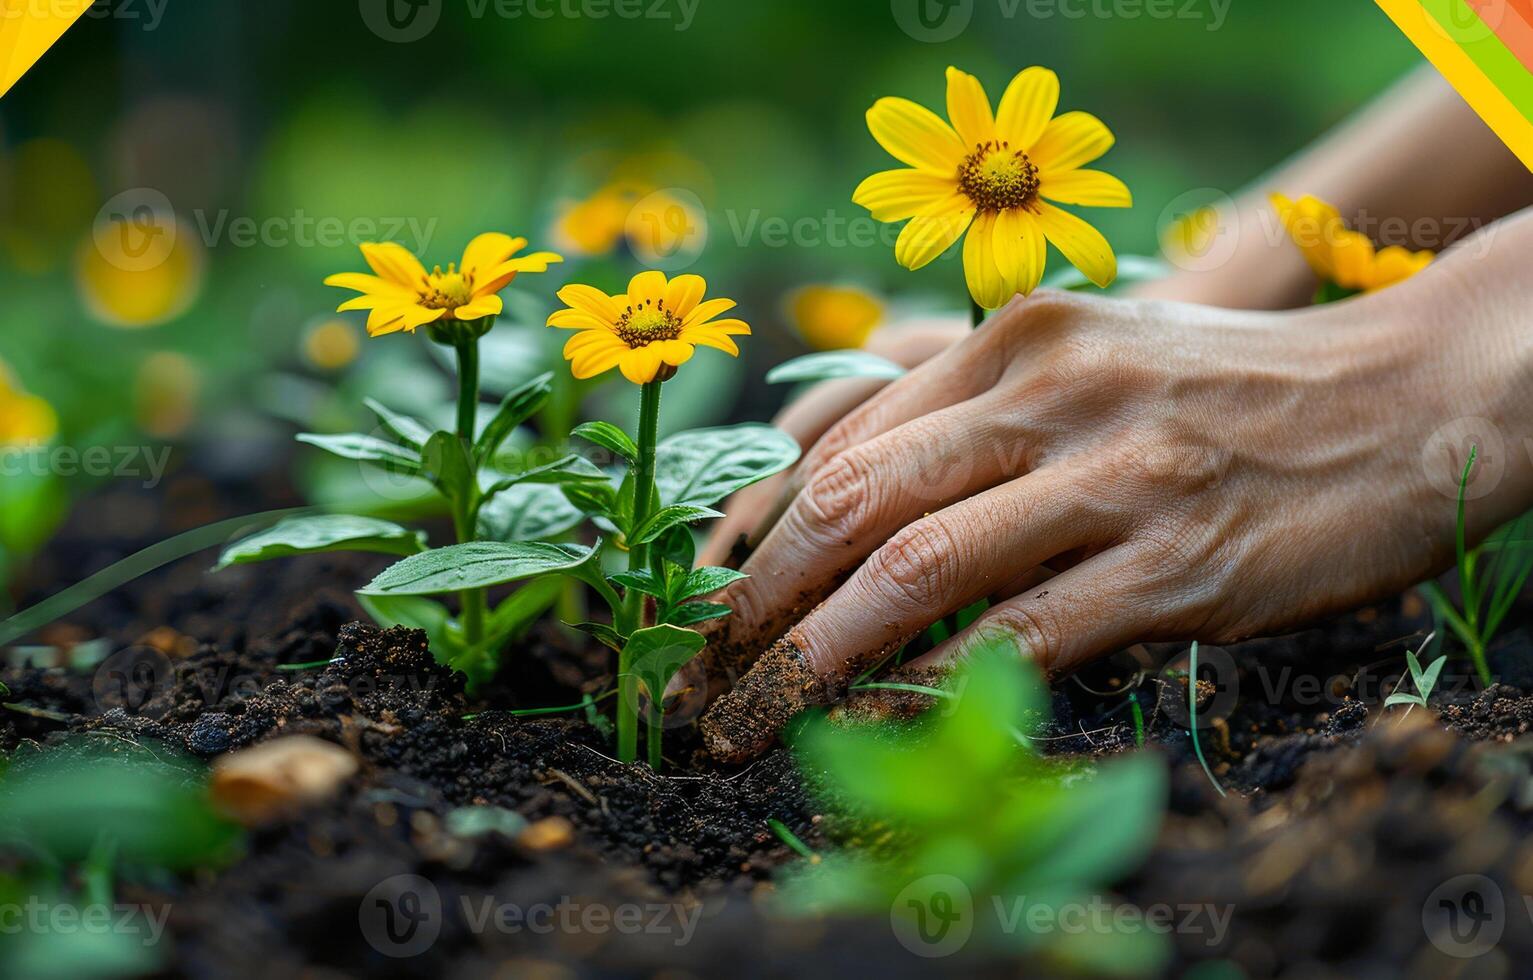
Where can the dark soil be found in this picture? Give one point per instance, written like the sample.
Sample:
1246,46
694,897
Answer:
1343,821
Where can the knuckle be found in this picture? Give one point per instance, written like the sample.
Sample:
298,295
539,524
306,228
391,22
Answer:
840,494
1033,627
918,566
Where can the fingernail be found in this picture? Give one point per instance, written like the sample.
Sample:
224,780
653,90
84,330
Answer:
746,721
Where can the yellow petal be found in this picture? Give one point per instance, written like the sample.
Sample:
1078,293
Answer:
737,328
392,319
591,338
969,109
1027,107
368,301
577,320
1089,188
673,352
1352,254
589,299
894,195
914,135
705,337
646,287
480,307
595,360
683,294
501,275
1315,228
1082,244
1020,251
1396,264
933,231
707,311
986,284
364,283
640,366
1070,141
394,263
488,251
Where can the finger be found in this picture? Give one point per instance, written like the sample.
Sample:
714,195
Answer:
1100,606
937,565
850,508
750,514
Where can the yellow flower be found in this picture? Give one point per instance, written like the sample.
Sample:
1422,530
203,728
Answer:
646,333
834,317
595,225
403,296
1342,256
993,175
25,419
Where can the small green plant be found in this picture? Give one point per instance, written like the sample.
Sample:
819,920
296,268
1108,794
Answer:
963,798
510,518
1491,577
1423,679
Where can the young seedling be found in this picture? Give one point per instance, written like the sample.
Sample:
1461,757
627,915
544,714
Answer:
1491,577
643,509
1423,679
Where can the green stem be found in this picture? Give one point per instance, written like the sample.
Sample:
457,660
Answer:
473,601
638,560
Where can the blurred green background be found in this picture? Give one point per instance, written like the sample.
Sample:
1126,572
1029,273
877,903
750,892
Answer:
715,136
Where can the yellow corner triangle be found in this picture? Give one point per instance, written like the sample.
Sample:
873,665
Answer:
30,27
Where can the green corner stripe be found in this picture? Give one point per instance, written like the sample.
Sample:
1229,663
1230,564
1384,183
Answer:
1486,50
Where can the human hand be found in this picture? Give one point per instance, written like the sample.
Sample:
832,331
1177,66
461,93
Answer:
1193,473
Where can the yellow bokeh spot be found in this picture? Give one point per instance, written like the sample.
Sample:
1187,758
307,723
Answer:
331,345
835,317
165,394
1193,234
25,419
594,226
135,274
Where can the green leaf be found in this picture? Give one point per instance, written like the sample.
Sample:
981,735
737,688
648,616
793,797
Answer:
704,466
827,365
447,463
478,565
608,436
669,517
707,580
367,449
657,653
515,408
641,581
522,608
1131,269
569,469
690,613
1428,678
603,633
527,512
413,433
1415,667
673,548
1403,698
324,533
592,498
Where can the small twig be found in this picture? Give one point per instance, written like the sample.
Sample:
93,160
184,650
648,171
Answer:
576,785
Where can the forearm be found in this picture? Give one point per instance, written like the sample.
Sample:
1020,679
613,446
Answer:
1417,168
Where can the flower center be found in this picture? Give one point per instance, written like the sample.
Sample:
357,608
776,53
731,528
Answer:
995,177
447,290
647,323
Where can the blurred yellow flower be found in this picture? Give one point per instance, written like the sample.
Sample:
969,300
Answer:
596,225
165,394
140,273
993,175
331,345
834,317
404,296
25,419
1193,234
646,333
1340,255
